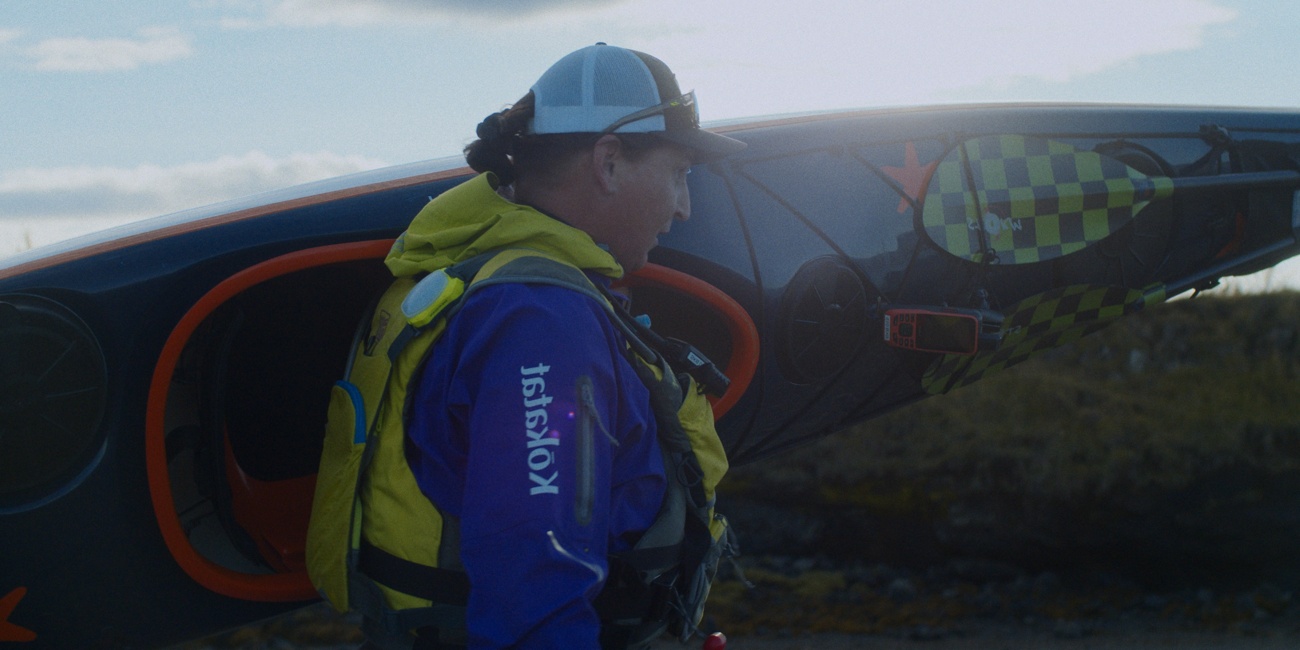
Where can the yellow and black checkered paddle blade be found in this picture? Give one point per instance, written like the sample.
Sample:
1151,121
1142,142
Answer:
1016,200
1040,323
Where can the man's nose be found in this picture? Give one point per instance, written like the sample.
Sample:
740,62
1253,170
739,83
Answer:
683,206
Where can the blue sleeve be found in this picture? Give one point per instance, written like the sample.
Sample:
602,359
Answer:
497,426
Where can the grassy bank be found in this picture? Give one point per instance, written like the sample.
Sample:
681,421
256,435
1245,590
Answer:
1173,434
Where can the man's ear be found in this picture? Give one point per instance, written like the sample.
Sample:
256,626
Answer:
606,159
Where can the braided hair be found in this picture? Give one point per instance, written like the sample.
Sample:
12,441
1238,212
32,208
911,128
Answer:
505,148
498,138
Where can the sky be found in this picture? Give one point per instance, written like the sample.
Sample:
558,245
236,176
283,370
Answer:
118,110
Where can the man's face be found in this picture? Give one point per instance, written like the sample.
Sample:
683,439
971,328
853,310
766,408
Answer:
652,193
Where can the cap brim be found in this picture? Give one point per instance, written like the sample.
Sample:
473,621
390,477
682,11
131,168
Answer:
707,145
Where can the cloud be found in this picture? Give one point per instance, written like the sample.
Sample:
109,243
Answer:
7,35
153,45
151,190
784,56
352,13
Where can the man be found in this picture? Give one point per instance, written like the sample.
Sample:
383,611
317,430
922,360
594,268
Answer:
532,426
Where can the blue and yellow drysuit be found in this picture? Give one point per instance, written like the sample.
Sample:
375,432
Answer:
492,425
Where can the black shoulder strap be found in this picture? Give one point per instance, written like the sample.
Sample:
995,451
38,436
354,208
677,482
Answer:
535,268
445,586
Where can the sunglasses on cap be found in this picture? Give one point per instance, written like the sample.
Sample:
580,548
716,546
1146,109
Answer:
679,113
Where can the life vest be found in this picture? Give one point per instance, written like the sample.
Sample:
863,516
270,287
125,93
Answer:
378,546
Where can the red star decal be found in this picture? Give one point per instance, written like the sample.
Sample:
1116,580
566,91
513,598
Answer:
913,176
9,631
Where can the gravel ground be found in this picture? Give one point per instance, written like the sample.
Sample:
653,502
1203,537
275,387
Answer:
802,603
1005,640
